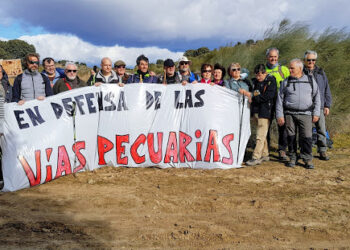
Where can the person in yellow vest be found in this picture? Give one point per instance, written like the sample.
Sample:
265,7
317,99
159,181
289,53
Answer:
280,72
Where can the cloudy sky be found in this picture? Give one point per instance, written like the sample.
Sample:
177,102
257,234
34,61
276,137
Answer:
87,30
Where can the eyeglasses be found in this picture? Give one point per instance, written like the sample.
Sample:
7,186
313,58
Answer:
237,69
120,66
71,70
183,63
33,62
311,60
206,71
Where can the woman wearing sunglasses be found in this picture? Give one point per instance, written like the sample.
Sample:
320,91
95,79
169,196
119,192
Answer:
236,81
206,73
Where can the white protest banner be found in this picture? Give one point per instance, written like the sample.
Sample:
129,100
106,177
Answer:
139,125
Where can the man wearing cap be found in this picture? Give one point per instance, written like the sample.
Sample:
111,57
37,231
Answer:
105,75
119,68
169,76
185,73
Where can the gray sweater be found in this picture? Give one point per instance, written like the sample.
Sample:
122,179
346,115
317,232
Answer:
298,97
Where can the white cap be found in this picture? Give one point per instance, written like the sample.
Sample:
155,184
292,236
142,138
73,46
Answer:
184,59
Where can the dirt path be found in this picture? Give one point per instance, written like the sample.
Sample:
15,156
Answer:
269,206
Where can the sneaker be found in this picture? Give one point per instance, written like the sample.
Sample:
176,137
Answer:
253,162
264,158
309,165
324,156
282,155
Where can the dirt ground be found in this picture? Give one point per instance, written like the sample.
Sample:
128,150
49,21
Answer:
264,207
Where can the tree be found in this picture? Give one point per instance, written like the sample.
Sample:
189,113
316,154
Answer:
160,62
17,49
202,51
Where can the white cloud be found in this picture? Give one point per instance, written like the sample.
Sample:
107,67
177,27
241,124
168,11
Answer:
178,25
69,47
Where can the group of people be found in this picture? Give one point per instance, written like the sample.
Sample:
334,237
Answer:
298,96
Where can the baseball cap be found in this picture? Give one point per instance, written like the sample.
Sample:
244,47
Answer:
119,63
169,63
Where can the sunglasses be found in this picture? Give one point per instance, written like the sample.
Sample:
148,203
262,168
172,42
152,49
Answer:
120,66
206,71
311,60
237,69
183,63
72,70
33,62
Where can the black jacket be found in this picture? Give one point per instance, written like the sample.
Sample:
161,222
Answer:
264,96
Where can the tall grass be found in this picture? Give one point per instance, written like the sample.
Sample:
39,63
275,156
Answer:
292,40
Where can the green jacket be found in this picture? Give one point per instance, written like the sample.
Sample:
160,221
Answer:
279,72
61,86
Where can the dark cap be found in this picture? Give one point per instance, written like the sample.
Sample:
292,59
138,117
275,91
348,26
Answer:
169,63
119,63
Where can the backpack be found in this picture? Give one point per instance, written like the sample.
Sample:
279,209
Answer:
312,92
329,141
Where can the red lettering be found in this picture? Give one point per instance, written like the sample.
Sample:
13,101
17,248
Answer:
104,145
171,149
120,139
76,149
184,140
133,150
156,157
199,151
48,167
226,141
212,146
33,181
63,163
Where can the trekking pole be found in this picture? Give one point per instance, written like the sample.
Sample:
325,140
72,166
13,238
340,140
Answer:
240,128
164,80
74,112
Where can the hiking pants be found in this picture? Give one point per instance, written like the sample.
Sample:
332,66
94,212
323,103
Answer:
321,133
261,147
282,138
303,124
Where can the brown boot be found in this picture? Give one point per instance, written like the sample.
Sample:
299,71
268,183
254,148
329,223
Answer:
324,156
282,155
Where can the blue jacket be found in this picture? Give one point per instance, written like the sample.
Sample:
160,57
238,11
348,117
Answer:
135,78
59,73
237,84
191,78
323,86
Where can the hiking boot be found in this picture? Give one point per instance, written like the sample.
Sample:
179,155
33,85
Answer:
253,162
309,165
292,162
324,156
264,158
282,155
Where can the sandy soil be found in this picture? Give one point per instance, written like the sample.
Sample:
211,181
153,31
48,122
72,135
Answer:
269,206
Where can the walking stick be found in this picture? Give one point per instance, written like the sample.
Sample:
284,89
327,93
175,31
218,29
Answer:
240,127
74,112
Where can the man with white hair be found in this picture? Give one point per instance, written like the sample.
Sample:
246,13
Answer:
71,81
318,73
185,73
280,72
298,106
105,75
